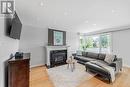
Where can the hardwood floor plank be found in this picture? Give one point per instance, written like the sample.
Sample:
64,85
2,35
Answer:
39,78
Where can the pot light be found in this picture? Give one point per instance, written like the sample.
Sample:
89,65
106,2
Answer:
113,11
94,24
65,13
86,21
41,3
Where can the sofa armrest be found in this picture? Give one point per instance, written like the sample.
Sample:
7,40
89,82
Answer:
74,54
117,64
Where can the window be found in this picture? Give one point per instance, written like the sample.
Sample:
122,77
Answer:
96,43
105,43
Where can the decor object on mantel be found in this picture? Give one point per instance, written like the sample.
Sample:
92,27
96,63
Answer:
56,37
62,77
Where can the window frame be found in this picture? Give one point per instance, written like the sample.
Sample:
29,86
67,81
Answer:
100,47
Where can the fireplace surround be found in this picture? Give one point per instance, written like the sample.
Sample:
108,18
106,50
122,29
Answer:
56,55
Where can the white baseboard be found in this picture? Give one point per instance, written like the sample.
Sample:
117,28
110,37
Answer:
126,65
32,66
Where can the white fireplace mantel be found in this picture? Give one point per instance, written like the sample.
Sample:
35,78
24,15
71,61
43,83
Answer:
50,48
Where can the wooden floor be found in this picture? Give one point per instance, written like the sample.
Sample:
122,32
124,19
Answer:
40,78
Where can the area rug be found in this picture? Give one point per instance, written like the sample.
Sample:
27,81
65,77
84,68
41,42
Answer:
63,77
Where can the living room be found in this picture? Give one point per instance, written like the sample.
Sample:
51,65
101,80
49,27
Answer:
88,28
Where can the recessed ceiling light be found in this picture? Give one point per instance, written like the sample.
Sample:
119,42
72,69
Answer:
86,21
113,11
65,13
94,24
41,3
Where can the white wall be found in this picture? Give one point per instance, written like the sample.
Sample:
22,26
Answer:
121,45
34,40
7,46
72,40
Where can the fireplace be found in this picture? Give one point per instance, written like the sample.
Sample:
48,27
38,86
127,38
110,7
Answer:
58,57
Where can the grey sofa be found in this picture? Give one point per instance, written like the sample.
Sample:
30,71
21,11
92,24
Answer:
87,57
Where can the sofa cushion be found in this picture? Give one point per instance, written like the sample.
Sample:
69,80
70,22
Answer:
84,54
115,58
92,55
86,59
96,68
101,56
109,58
103,62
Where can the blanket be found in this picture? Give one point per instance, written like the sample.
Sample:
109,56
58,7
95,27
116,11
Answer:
106,67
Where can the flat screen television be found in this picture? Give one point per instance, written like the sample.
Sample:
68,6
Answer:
16,27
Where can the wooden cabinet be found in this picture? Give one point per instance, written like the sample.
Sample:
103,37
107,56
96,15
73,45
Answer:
18,72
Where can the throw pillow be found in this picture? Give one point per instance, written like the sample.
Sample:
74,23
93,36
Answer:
84,53
79,53
109,58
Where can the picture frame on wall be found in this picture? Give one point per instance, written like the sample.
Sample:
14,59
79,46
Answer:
58,38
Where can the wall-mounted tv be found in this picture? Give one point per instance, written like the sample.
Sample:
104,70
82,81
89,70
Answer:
56,37
16,27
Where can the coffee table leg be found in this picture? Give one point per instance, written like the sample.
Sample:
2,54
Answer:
68,66
72,67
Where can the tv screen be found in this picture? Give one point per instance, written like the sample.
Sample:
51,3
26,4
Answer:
15,31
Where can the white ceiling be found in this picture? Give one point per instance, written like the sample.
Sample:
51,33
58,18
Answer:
74,15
